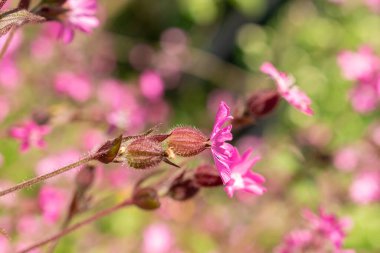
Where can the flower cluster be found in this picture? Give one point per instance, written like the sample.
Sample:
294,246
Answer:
362,67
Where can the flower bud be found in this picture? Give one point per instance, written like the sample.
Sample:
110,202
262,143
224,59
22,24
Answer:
262,102
183,189
146,198
85,177
207,176
108,152
187,141
144,153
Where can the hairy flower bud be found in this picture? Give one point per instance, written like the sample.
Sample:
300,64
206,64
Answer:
146,198
262,102
187,141
144,153
207,176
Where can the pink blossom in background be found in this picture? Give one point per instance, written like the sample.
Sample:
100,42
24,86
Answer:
151,85
174,41
29,225
81,15
118,177
93,139
13,45
157,111
30,134
76,86
329,226
360,65
346,159
242,178
10,75
364,97
157,238
10,200
56,161
287,89
325,233
53,203
122,107
5,246
4,108
366,187
220,149
374,5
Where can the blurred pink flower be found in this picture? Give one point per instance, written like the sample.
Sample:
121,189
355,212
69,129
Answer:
364,97
53,162
222,151
359,66
81,15
242,178
122,107
52,202
13,45
76,86
346,159
92,139
325,233
216,96
151,85
157,238
287,89
374,5
329,226
9,74
366,187
30,134
5,246
4,108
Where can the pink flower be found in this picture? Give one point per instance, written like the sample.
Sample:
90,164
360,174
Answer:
374,5
361,65
287,89
329,226
5,246
222,151
30,134
157,239
9,74
77,87
366,188
325,233
242,178
52,202
81,15
347,159
151,85
364,97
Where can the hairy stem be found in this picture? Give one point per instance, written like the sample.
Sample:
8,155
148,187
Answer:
39,179
74,227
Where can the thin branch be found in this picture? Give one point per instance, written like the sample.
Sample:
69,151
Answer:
74,227
7,42
39,179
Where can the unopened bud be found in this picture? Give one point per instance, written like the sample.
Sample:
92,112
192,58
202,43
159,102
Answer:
183,189
146,198
187,141
109,150
207,176
262,102
85,177
144,153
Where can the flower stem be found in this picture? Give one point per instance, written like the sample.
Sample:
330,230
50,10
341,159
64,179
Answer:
78,225
39,179
7,42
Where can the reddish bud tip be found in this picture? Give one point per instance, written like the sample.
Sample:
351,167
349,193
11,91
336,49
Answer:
207,176
187,141
146,198
109,150
262,102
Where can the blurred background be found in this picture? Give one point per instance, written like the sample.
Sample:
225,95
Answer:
171,62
